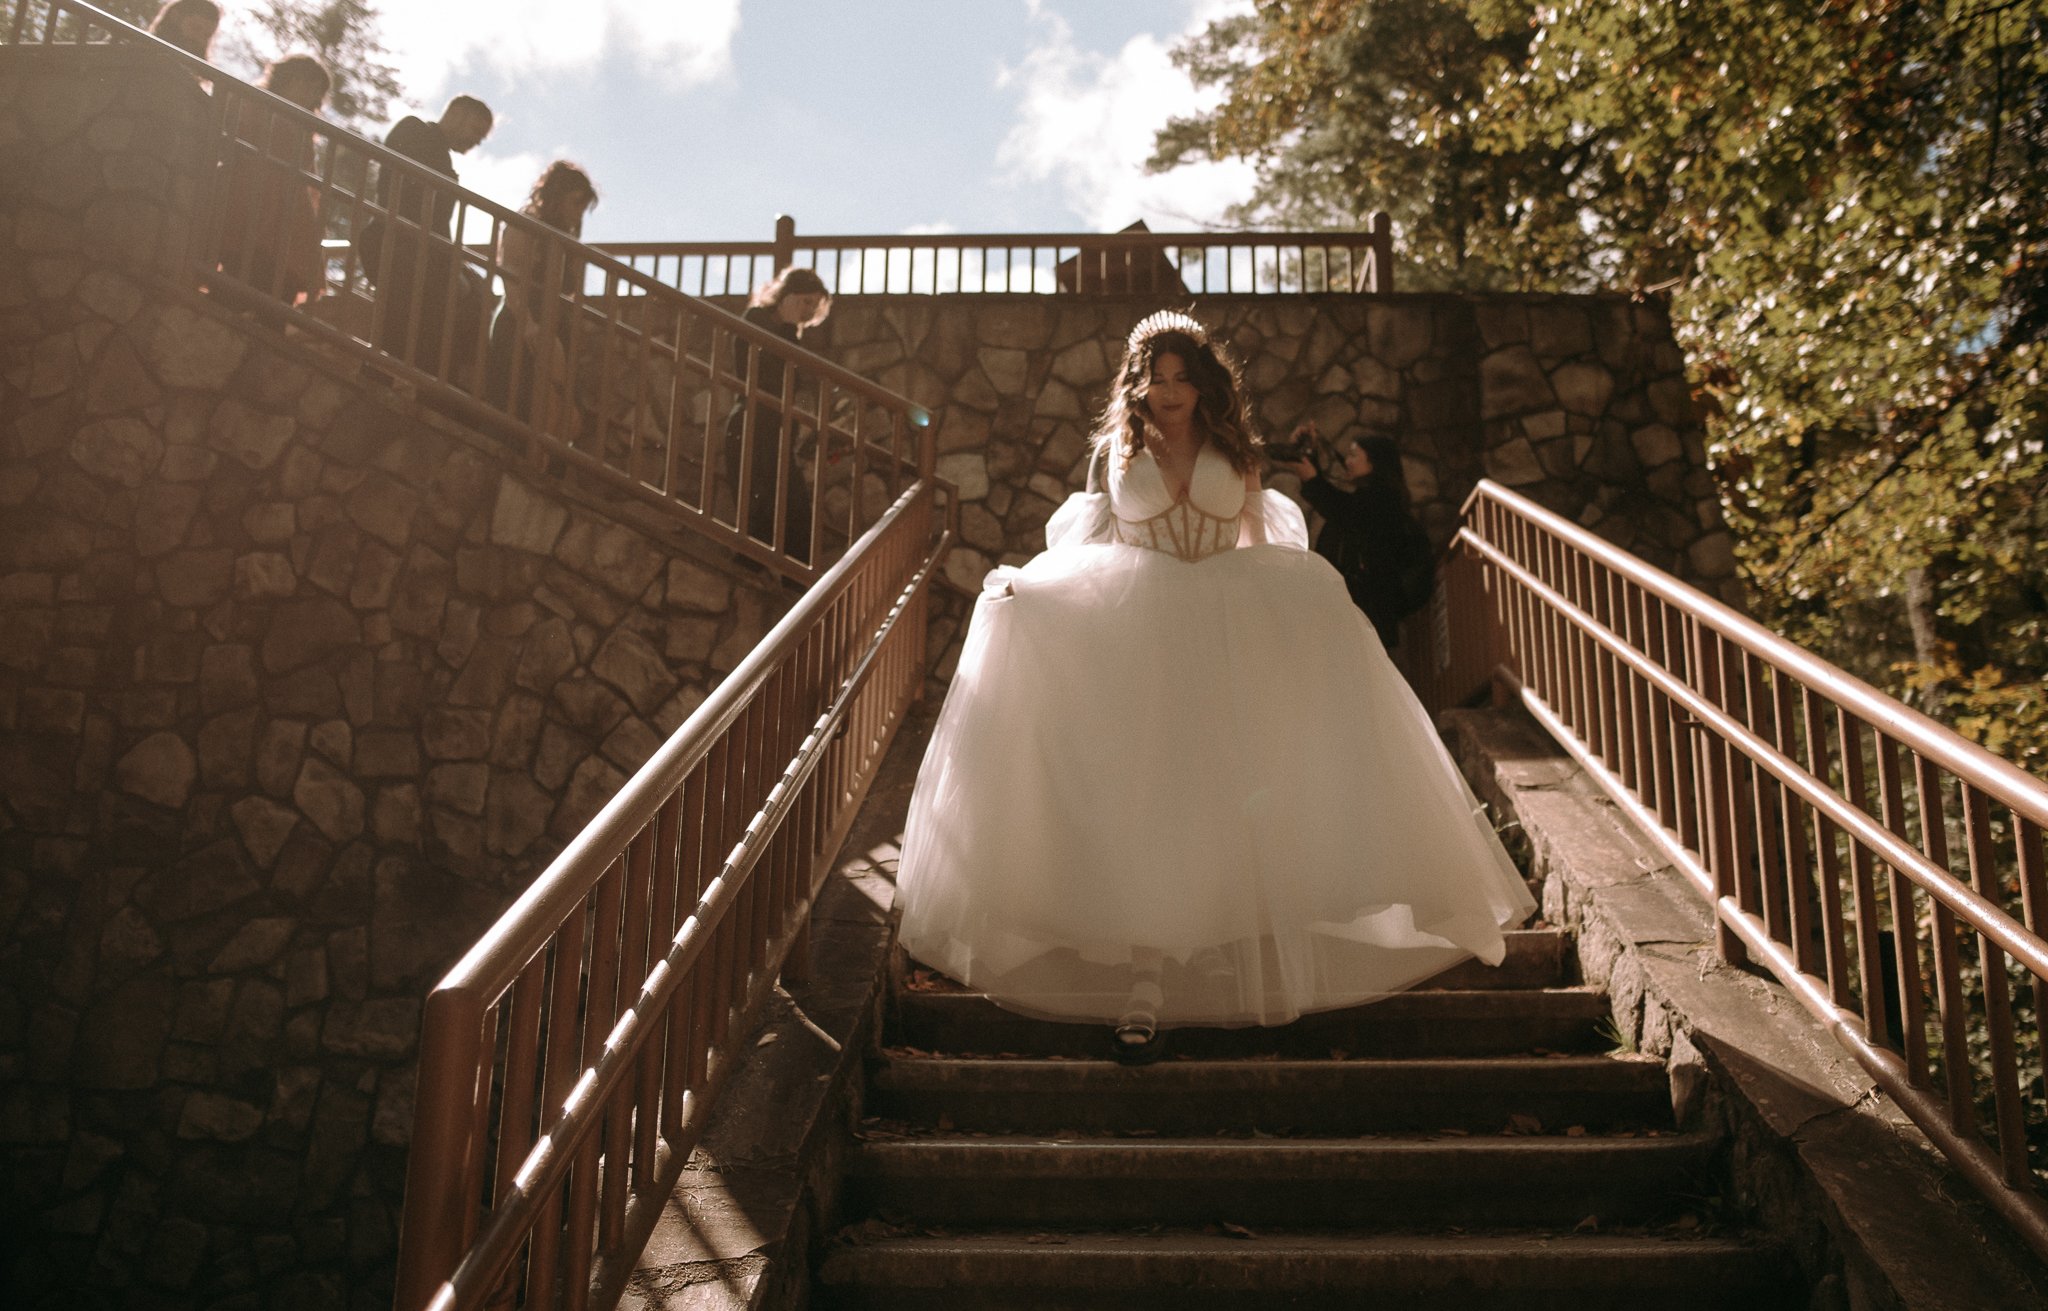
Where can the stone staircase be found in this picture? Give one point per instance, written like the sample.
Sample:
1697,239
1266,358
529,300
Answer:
1473,1143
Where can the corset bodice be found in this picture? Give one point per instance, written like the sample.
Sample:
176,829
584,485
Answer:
1205,521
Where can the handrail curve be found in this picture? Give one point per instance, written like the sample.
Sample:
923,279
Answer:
1888,872
428,327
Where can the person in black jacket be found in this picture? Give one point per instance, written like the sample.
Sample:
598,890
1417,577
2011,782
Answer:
1369,534
794,302
414,273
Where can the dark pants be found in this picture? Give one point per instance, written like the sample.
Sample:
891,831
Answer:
762,491
428,282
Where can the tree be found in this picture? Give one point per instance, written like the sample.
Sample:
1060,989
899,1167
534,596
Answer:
344,35
341,33
1844,200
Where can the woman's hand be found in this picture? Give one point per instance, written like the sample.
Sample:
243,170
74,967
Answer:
1303,469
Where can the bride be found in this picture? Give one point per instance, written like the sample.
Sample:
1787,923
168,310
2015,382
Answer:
1176,780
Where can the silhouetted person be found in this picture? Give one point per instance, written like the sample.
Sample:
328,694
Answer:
411,258
270,215
1370,534
188,25
795,301
528,373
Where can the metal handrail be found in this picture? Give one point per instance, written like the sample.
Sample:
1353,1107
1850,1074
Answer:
552,1184
631,347
1164,263
1816,815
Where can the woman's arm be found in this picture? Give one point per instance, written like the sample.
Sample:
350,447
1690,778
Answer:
1253,533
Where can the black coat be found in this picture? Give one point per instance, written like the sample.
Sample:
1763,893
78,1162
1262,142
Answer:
1370,536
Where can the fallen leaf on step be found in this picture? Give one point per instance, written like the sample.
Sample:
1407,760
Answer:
1589,1225
1688,1221
1521,1123
1575,1131
1236,1230
767,1038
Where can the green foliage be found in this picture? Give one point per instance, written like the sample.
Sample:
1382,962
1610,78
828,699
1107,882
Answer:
1845,201
343,33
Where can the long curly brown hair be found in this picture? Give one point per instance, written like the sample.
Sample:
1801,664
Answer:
1221,415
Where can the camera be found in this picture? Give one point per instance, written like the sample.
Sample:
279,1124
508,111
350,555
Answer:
1304,443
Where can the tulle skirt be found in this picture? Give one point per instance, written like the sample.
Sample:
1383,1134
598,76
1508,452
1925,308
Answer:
1208,774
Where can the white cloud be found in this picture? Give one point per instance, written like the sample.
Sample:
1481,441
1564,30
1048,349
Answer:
507,179
687,40
1087,120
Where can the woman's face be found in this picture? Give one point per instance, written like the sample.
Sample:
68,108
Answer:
1169,393
1356,462
802,307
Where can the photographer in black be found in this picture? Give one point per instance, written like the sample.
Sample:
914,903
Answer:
1368,532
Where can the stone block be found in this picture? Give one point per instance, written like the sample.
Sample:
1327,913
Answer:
460,786
196,577
630,663
121,1037
301,632
616,558
119,450
264,826
594,783
1512,381
163,516
253,438
515,814
384,508
160,769
524,519
218,1117
968,472
329,799
383,1028
456,734
1583,388
264,575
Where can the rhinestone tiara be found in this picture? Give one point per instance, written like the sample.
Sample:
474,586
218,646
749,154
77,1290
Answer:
1166,321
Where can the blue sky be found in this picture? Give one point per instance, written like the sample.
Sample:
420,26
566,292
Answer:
702,119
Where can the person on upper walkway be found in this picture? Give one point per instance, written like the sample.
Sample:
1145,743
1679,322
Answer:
789,306
189,25
528,372
270,213
411,259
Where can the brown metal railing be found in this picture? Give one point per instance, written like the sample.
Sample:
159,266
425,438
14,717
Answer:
1160,263
610,377
570,1059
1887,871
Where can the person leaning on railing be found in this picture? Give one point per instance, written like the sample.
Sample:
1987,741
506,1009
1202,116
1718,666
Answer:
794,302
270,215
188,25
527,371
423,274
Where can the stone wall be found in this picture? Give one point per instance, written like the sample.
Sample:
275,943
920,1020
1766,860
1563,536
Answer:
1579,402
298,687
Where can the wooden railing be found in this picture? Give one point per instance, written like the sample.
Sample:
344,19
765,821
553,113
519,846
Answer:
570,1059
622,381
1887,871
1149,263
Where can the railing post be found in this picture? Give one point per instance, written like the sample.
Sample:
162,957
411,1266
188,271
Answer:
1382,252
785,244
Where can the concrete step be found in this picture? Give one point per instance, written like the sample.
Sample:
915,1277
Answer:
1200,1271
1440,1022
1536,958
1316,1183
1529,1094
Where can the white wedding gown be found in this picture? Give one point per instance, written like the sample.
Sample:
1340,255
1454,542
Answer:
1165,751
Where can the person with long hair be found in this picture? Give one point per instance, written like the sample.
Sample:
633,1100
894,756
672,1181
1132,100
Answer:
189,25
528,358
789,305
270,209
1369,533
1176,780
